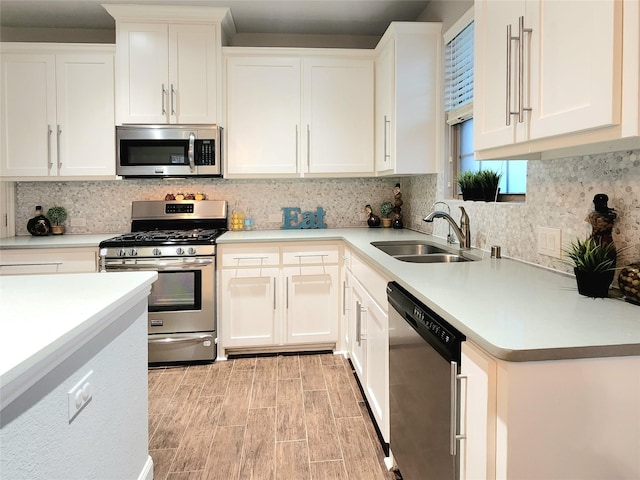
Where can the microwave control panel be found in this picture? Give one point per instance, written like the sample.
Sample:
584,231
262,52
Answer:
205,152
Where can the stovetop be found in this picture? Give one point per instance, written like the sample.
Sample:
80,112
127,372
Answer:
196,236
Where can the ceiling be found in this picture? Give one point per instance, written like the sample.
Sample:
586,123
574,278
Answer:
332,17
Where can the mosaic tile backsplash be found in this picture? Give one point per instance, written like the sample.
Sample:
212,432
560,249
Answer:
559,195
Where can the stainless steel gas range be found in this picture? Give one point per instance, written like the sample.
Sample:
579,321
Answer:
178,240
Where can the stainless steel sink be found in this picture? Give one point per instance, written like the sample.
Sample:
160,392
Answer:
416,251
432,258
397,248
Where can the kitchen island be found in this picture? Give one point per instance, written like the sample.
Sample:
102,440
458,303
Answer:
73,376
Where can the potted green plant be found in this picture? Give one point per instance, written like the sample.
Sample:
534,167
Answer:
385,210
57,216
471,185
594,266
489,181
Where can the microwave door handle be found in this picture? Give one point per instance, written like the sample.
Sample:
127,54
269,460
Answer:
191,153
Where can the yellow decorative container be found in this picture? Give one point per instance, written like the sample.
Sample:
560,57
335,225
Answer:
629,283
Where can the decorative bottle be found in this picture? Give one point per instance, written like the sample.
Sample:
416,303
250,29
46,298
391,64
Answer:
39,225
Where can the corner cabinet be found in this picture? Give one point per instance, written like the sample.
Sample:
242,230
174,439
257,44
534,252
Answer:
298,112
557,79
57,111
367,335
168,64
408,97
278,298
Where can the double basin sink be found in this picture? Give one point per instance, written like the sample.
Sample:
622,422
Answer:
418,251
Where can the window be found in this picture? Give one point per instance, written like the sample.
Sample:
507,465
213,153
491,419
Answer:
459,114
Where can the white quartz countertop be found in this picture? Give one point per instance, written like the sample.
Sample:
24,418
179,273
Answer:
45,318
54,241
513,310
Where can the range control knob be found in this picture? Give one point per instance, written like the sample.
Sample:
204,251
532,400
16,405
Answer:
133,252
179,251
192,251
122,252
157,252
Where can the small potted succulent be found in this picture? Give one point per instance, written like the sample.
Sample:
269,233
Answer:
594,265
386,208
57,216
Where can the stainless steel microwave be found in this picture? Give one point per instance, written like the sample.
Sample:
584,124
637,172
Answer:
169,150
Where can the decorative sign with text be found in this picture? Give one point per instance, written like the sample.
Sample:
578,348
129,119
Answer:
295,218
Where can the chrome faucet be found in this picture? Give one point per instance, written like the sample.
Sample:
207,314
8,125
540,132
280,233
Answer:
463,232
450,239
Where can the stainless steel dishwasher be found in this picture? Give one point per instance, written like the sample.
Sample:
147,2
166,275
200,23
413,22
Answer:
424,367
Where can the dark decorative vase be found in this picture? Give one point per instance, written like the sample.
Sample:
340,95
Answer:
594,284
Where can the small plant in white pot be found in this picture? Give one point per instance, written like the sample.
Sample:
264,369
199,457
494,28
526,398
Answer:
385,210
57,216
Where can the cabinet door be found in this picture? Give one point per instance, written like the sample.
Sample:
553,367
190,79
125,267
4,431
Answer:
492,98
338,115
377,377
575,65
263,115
248,307
85,115
357,329
27,115
193,70
311,302
143,73
477,414
384,112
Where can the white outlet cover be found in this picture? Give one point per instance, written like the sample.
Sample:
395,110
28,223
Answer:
550,242
80,395
275,218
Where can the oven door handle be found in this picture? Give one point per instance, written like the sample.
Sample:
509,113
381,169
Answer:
181,339
204,262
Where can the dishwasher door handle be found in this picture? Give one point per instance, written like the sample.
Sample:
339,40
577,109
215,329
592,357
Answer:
455,436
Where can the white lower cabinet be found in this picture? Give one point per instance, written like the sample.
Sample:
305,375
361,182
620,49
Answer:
278,298
368,339
48,260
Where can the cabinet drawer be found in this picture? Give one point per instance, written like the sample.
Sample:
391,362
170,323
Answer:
33,261
310,255
238,256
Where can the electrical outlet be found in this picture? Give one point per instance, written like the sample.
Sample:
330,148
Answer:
77,222
80,395
417,220
363,217
275,218
550,242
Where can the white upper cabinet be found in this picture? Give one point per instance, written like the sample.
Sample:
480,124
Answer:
408,97
168,63
263,115
556,80
57,111
298,112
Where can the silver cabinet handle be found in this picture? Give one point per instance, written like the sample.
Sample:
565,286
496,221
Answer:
386,142
297,146
509,113
59,132
358,323
344,297
521,32
49,132
274,293
454,437
173,94
287,294
164,110
308,148
191,152
37,264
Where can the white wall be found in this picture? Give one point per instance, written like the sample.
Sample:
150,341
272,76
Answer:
108,439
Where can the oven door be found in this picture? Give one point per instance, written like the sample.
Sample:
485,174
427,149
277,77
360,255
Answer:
182,299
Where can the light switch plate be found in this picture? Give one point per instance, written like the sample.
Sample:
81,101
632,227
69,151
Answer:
275,218
550,242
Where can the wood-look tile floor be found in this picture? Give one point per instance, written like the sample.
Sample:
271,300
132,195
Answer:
292,417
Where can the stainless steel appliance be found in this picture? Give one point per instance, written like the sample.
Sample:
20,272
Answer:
168,150
176,239
424,364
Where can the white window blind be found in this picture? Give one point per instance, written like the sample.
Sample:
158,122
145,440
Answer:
459,75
